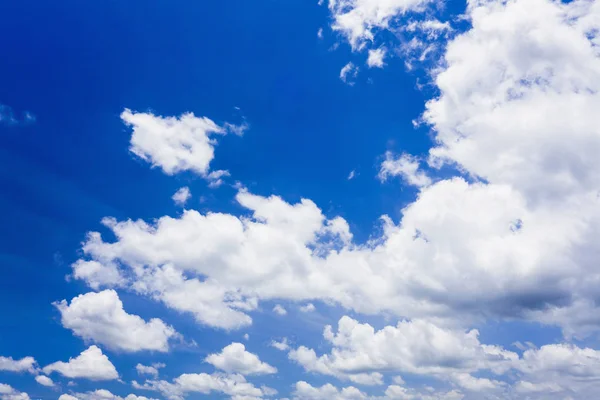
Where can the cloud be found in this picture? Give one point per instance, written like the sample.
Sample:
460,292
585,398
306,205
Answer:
100,317
97,274
7,392
174,144
235,359
149,369
376,56
8,117
414,347
235,386
25,364
100,394
310,307
348,73
90,364
44,381
279,310
405,166
305,391
283,345
359,20
182,196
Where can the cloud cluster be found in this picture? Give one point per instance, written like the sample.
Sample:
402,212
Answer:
91,364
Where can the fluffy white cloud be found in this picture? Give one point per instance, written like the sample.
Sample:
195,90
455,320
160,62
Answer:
279,310
98,275
182,196
358,20
7,392
235,386
90,364
149,369
173,144
235,359
310,307
415,347
99,316
100,394
44,380
405,166
305,391
283,345
25,364
376,56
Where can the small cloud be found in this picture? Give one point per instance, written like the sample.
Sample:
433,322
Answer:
376,56
351,175
348,73
320,33
8,117
282,346
405,166
182,196
214,178
44,381
310,307
279,310
246,336
237,129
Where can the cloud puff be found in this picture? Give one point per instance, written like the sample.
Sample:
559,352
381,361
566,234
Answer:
25,364
405,166
235,386
44,381
173,144
149,369
100,394
90,364
182,196
7,392
235,359
100,317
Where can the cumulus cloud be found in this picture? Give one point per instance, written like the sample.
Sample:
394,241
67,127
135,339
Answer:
100,317
91,364
149,369
310,307
175,144
279,310
182,196
406,166
235,359
25,364
100,394
282,345
44,380
376,56
97,274
7,392
415,347
235,386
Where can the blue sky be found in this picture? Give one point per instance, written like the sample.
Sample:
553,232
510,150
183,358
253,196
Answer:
414,182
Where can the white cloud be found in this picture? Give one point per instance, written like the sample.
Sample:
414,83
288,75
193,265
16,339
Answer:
310,307
100,317
405,166
348,73
7,392
8,117
235,359
320,33
181,196
173,144
100,394
376,56
305,391
98,275
351,175
279,310
215,178
25,364
283,345
149,369
415,347
235,386
90,364
359,20
44,381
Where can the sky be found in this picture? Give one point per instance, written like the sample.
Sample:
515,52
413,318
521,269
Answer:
300,200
